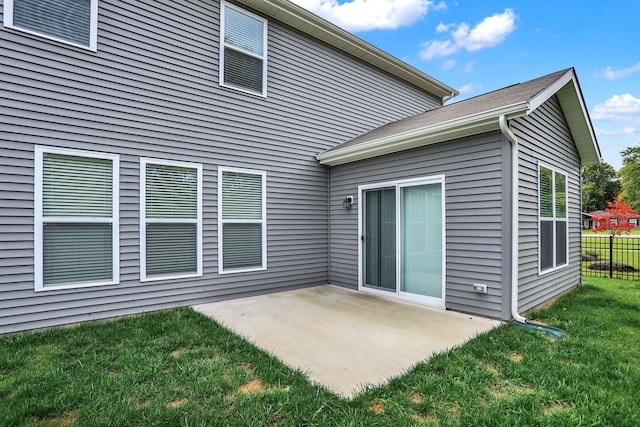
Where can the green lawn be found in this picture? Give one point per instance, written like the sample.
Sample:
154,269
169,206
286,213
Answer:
181,368
601,233
625,251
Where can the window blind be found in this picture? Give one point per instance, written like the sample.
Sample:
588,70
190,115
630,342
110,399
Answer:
77,218
68,20
243,31
75,253
171,249
74,186
244,50
171,192
546,192
242,245
171,218
241,196
242,220
243,70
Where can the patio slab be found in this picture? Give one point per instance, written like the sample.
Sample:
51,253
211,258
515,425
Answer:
345,339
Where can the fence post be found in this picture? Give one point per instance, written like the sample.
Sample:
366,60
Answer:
611,256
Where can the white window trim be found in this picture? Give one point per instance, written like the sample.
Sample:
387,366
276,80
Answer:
222,83
93,27
554,171
222,221
144,221
39,219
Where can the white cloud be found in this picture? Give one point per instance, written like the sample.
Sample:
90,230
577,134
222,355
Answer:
469,89
618,108
617,132
613,74
363,15
442,28
469,67
448,64
492,31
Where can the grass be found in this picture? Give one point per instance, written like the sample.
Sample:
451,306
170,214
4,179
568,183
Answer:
625,251
601,233
180,368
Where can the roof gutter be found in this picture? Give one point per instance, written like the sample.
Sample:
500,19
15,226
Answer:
515,206
431,134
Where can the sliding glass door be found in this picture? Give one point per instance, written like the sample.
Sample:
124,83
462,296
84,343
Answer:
403,239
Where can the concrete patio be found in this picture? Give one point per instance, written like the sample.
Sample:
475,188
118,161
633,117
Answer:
345,339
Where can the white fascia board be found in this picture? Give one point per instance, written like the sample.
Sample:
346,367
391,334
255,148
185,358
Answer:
307,22
464,126
542,97
577,116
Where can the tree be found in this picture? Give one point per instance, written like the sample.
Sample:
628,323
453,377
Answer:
617,219
600,186
630,176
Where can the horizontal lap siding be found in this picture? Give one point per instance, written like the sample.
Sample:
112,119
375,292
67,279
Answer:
474,214
152,90
545,137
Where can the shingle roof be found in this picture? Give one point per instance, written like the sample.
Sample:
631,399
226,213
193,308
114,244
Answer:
473,116
511,95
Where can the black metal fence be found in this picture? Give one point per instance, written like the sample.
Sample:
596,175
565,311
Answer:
611,256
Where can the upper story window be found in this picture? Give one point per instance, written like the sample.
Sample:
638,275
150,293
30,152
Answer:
553,219
70,21
243,52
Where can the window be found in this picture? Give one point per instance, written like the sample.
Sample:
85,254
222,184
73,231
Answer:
70,21
553,224
243,58
242,220
76,219
171,219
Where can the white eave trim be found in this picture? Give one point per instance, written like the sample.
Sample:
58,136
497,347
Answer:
457,128
307,22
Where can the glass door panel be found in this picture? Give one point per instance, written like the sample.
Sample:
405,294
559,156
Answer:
380,239
421,240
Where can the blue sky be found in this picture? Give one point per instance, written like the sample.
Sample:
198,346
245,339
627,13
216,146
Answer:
477,46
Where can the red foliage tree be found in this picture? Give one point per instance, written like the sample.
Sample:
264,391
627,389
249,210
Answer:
617,222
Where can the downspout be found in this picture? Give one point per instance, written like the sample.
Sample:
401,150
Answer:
515,206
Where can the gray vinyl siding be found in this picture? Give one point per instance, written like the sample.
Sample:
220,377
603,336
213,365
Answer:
475,215
151,90
545,137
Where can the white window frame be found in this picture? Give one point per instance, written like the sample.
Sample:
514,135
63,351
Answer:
222,221
144,220
223,46
398,185
40,220
553,219
93,27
